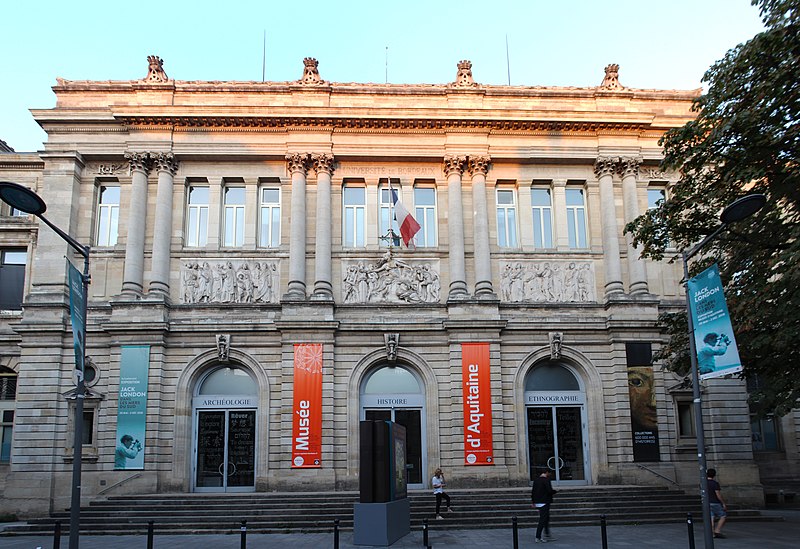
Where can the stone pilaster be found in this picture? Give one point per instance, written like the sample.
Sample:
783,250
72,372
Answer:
453,169
166,166
297,164
604,169
478,167
637,271
323,288
133,275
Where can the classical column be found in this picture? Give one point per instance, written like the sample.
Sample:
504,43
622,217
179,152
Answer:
604,169
478,166
629,168
453,169
133,275
323,166
297,164
166,167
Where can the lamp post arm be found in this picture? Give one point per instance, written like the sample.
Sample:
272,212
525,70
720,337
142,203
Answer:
77,246
699,246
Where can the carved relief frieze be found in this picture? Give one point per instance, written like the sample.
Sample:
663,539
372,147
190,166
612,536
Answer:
655,173
547,281
108,169
229,281
391,280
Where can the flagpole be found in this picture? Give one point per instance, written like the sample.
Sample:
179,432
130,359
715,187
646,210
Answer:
391,215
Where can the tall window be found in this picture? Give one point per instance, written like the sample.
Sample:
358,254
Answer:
506,218
655,195
108,216
425,214
765,433
12,278
197,217
270,236
6,434
234,216
354,219
542,205
386,210
576,218
685,411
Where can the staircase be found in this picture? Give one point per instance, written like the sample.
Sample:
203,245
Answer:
315,512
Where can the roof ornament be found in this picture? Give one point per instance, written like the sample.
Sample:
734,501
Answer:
155,71
464,76
611,80
310,72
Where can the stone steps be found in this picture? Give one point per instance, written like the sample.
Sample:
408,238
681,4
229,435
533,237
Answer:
316,512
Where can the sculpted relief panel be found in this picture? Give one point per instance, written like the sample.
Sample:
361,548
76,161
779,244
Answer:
391,280
547,282
229,281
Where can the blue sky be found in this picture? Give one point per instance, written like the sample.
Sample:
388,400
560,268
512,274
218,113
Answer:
665,44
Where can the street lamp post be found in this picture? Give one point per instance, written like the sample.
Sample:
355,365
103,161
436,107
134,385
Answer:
24,199
736,211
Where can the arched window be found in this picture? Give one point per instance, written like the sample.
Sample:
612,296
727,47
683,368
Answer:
228,380
551,376
391,380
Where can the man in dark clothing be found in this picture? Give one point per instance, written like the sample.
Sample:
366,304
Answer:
719,510
542,497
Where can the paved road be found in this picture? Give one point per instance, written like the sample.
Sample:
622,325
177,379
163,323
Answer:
740,535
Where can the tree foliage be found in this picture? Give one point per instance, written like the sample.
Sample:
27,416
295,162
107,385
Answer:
745,139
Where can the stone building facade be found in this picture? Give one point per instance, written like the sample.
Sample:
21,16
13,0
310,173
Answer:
235,226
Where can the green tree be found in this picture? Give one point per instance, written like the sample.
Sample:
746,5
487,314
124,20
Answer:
744,140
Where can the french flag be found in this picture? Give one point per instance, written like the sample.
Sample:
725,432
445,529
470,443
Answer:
408,225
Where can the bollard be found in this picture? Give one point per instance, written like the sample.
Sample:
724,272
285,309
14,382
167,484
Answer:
149,534
336,534
243,545
603,534
515,531
57,535
425,533
690,526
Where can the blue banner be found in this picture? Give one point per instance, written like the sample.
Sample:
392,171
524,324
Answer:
717,354
132,407
77,306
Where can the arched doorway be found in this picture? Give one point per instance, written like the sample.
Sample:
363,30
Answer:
225,406
395,393
555,406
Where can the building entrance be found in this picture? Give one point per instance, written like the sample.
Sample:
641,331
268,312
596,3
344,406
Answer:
225,433
394,393
556,425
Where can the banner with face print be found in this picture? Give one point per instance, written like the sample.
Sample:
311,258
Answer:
307,409
132,408
717,354
477,390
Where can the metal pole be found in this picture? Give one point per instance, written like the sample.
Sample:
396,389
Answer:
77,447
708,534
603,533
690,526
57,535
243,543
515,531
336,534
425,532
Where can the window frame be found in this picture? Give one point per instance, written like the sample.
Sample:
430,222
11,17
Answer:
266,217
108,236
355,215
197,236
385,211
575,214
9,272
238,217
427,237
546,236
510,228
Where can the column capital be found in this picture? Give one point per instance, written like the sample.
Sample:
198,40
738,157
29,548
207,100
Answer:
138,161
479,165
322,163
454,164
629,166
297,162
605,165
165,162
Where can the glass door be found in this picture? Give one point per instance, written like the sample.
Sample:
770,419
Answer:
225,451
411,419
556,442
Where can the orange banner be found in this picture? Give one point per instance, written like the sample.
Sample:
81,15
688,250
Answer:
307,411
475,371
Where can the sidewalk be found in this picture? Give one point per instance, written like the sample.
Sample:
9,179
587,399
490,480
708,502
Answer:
740,535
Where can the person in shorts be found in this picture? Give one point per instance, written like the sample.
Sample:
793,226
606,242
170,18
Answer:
719,510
